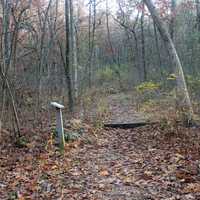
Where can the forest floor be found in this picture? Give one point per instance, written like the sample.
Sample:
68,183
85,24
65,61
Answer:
157,162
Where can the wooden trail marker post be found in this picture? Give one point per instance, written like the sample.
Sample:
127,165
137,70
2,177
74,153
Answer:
59,124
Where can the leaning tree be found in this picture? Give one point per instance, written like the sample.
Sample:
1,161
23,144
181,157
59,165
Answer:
183,98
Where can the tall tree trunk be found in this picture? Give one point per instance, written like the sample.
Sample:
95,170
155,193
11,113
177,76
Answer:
172,21
89,44
5,50
6,35
158,51
198,29
73,49
183,98
137,55
67,59
143,46
92,28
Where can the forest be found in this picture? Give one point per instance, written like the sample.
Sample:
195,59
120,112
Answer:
99,99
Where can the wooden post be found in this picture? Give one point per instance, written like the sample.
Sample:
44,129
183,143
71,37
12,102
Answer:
59,124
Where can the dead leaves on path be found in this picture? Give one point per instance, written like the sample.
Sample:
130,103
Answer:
119,164
192,188
104,173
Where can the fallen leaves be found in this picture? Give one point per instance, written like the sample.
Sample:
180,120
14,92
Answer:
129,180
104,173
118,164
192,188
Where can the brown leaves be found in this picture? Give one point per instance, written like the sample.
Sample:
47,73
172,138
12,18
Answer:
104,173
192,188
121,164
184,176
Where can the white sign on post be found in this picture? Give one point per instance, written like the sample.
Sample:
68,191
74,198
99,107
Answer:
59,124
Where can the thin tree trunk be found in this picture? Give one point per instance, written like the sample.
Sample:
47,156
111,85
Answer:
183,98
172,21
137,55
67,59
197,2
158,51
92,28
73,49
89,45
143,47
93,38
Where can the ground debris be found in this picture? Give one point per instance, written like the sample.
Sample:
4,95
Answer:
141,163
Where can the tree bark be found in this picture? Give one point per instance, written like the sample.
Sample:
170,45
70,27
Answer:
172,21
91,30
183,98
143,46
67,59
158,52
73,49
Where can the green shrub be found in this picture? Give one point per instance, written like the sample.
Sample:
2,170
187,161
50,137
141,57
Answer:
147,87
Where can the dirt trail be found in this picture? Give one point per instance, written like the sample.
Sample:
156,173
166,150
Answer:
122,110
131,165
135,164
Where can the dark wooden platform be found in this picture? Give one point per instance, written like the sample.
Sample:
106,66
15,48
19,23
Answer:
126,125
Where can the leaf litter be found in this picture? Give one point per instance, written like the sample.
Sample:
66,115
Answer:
136,164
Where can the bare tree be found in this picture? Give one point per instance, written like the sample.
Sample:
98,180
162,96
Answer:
143,45
172,21
158,51
132,30
67,58
91,35
74,60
